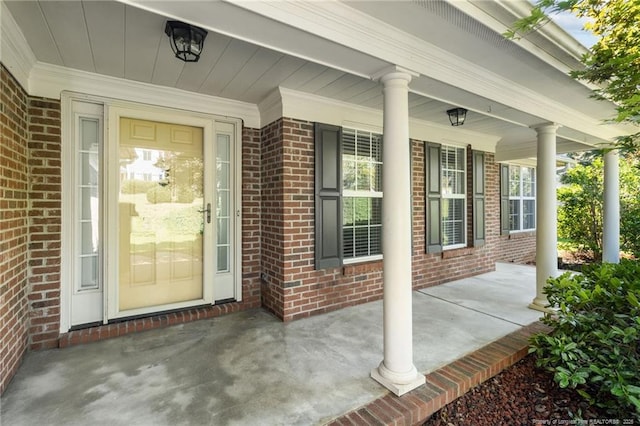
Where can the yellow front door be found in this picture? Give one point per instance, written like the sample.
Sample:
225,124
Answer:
161,218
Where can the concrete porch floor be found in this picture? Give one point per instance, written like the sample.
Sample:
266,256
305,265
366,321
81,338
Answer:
249,368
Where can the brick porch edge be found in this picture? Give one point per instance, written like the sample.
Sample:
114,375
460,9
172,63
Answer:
445,384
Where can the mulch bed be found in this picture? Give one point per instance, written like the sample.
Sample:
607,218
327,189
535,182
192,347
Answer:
521,395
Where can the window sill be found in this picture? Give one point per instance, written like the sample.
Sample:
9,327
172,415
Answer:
362,267
515,235
460,252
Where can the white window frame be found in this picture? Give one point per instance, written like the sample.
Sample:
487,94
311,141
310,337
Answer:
520,198
349,193
454,196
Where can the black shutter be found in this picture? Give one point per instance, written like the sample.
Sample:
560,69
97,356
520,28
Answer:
504,199
328,184
433,196
478,199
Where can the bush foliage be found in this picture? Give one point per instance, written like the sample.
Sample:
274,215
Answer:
595,343
580,213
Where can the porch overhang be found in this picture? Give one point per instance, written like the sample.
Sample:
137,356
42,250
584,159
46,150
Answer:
331,50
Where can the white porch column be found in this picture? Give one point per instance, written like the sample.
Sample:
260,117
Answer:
611,226
546,212
396,371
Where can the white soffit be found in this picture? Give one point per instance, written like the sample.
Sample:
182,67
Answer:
305,106
342,24
51,80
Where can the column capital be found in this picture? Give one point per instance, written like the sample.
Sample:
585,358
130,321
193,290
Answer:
547,127
394,72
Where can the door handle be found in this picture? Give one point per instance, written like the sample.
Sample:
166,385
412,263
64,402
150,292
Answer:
208,211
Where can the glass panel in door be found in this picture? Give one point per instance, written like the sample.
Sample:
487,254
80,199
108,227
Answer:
161,221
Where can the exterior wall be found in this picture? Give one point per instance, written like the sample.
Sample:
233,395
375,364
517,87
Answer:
519,247
14,312
431,269
45,222
272,236
251,217
293,289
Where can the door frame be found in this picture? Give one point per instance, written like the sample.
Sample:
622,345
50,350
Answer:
113,110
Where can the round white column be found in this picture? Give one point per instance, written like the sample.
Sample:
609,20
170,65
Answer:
611,226
546,213
397,371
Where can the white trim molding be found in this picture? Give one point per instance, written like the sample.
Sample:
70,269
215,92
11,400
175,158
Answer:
15,53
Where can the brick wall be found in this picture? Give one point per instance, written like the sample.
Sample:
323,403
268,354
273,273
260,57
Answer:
251,217
45,221
517,248
272,235
14,318
431,269
307,291
293,289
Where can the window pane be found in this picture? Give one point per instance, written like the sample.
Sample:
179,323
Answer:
362,211
223,176
348,142
89,168
363,177
89,238
347,211
376,211
376,148
223,231
349,172
223,204
453,171
89,272
514,181
88,204
362,241
362,174
348,236
223,259
452,221
362,226
528,182
514,215
453,189
363,146
529,214
89,134
375,237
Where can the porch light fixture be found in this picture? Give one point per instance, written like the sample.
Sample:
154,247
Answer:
186,40
457,116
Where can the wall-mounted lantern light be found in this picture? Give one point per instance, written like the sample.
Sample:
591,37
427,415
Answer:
186,40
457,116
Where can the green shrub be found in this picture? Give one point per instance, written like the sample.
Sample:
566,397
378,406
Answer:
159,194
136,186
595,344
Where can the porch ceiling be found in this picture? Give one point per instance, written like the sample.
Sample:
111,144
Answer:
126,40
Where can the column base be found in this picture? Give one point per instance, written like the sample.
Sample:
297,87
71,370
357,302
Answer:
398,388
540,305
